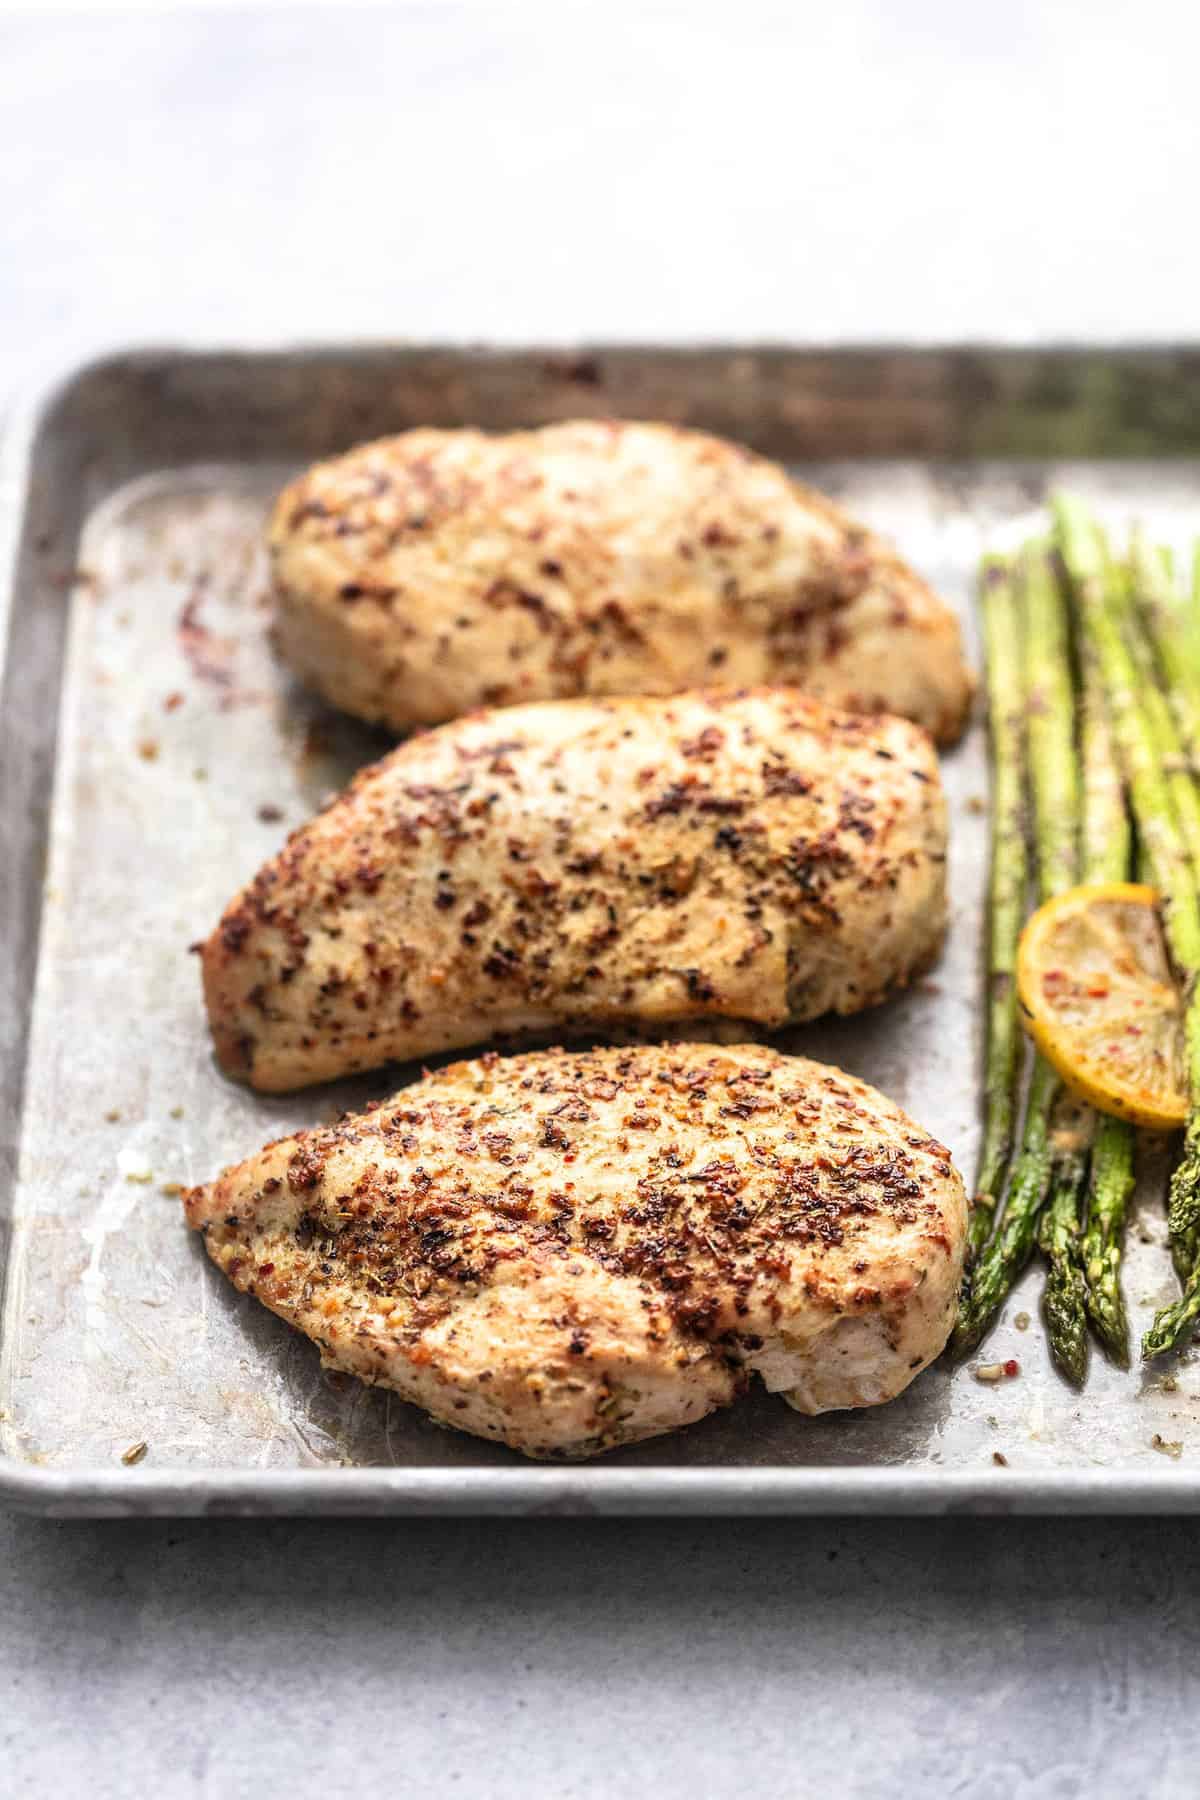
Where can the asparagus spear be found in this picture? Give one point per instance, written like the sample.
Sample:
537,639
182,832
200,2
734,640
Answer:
1055,779
1106,853
1064,1300
1006,892
1165,848
1158,720
1107,838
1050,697
1008,1252
1183,1206
1111,1183
1167,627
1054,782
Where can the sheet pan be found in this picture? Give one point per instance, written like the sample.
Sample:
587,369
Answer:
153,752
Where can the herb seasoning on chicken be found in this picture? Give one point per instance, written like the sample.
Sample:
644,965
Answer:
430,573
571,1252
752,856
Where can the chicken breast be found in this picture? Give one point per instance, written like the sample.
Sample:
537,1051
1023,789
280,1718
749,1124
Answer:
438,571
571,1252
749,856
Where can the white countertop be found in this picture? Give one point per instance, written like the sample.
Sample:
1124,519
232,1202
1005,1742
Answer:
929,171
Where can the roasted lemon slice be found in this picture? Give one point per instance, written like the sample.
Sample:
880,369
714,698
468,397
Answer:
1100,1002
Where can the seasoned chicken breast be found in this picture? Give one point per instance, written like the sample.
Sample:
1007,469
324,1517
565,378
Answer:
750,856
571,1252
434,572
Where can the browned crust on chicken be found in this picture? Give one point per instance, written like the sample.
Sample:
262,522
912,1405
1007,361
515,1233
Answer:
571,1252
431,573
706,856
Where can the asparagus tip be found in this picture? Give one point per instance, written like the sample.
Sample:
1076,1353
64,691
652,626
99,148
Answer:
1170,1330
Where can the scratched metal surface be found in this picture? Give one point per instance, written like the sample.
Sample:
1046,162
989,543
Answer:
184,754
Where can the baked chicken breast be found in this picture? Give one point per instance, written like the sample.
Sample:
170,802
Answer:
571,1252
427,574
753,856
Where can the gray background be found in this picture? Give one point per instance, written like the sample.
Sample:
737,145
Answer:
873,170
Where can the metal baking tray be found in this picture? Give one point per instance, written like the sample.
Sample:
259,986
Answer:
152,753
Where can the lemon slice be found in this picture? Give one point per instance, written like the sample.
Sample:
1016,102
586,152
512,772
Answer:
1099,1000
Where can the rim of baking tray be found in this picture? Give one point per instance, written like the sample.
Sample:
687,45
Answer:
549,1491
533,1490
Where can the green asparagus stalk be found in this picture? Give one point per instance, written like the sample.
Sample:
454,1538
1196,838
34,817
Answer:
1169,865
1174,1324
1110,1185
1164,843
1106,854
1050,698
1007,884
1010,1249
1183,1208
1166,625
1054,783
1064,1300
1107,846
1158,720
